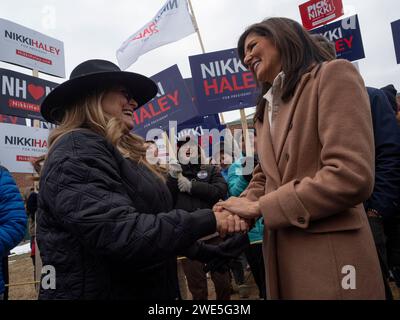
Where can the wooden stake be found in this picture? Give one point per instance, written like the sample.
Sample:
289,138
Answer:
245,132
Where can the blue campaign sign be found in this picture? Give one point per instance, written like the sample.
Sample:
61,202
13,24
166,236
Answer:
172,103
197,128
221,82
197,125
396,38
346,35
189,86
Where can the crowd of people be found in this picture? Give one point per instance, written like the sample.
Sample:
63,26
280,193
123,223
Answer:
318,218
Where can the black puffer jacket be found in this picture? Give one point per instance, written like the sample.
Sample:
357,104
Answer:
99,224
208,187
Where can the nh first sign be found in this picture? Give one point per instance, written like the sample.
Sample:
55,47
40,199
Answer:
30,49
21,95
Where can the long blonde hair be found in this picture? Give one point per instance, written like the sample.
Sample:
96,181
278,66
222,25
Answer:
88,114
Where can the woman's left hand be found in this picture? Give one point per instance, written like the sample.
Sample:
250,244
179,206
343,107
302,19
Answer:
243,207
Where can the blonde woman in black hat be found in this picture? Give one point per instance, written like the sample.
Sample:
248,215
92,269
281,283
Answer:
105,220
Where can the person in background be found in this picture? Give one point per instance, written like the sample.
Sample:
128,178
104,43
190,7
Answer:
237,182
391,222
231,170
382,207
152,152
391,93
196,185
12,222
30,198
398,108
254,253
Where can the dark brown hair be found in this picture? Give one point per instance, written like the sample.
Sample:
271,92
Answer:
299,53
323,42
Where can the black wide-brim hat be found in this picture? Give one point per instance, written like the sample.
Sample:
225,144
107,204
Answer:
94,76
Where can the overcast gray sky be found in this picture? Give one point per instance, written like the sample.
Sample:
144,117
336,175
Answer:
96,28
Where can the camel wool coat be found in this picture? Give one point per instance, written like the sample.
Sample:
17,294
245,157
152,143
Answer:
314,173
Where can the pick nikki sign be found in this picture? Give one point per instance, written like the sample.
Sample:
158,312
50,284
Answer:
21,95
222,83
172,103
315,13
346,35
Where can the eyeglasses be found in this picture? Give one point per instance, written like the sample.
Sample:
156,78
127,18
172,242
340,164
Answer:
126,94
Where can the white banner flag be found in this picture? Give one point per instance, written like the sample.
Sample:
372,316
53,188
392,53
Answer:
171,23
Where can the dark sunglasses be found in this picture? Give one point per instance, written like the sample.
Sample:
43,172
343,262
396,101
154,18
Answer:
126,94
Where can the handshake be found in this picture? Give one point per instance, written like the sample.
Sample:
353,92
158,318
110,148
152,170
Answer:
236,215
233,215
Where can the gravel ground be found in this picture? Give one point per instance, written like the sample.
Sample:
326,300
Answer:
21,272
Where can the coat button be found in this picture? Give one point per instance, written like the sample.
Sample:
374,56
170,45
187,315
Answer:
301,220
287,156
290,126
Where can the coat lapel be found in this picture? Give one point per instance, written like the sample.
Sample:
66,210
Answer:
266,152
284,118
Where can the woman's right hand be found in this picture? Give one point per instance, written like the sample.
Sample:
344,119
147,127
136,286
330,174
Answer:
229,223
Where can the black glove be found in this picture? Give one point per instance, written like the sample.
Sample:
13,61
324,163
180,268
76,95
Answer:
203,252
230,248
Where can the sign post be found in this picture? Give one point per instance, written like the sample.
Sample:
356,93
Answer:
245,132
36,123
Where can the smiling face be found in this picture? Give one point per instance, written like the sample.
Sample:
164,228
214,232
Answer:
118,103
262,57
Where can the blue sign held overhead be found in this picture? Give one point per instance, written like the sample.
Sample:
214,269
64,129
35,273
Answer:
203,127
172,103
346,35
197,125
221,82
396,38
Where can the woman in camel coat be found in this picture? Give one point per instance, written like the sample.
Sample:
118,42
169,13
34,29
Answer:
316,152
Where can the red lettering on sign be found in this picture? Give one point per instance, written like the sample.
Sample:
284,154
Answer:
174,97
232,83
25,158
163,103
8,119
23,105
33,57
339,45
349,42
344,44
156,107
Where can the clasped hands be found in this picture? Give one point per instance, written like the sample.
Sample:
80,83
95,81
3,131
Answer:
236,215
